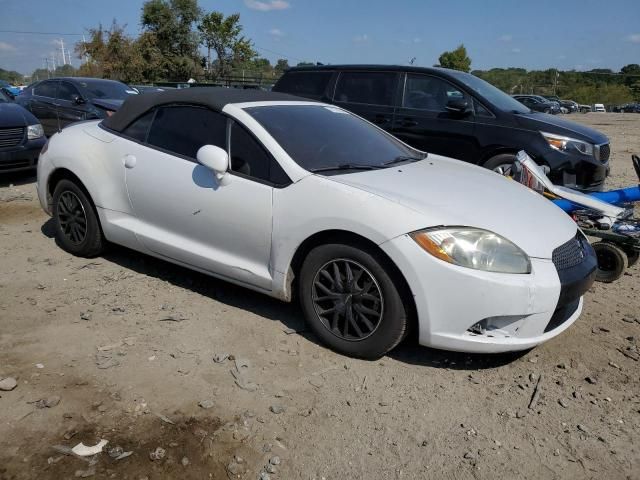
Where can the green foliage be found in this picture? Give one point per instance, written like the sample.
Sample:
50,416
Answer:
11,76
281,66
456,59
595,86
222,35
171,41
305,64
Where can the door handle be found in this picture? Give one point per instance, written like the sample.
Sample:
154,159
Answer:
408,122
129,161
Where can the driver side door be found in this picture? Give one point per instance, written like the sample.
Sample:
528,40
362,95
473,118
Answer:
182,212
422,120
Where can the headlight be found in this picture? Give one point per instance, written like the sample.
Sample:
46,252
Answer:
567,144
35,131
474,248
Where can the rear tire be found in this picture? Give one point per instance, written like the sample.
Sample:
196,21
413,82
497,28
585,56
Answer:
612,262
77,228
351,302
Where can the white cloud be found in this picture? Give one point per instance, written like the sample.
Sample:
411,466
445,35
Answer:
634,38
276,32
515,50
364,38
6,47
268,5
507,37
417,40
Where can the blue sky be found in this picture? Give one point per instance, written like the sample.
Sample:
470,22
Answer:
565,34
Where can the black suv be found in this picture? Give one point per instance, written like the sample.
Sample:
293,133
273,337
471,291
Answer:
458,115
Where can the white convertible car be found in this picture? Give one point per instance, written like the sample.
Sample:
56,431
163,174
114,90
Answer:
291,197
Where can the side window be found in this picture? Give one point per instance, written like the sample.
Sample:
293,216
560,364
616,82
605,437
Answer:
184,129
481,110
45,89
306,84
374,88
66,91
425,92
137,130
250,158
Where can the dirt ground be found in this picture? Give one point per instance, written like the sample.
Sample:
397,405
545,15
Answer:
132,350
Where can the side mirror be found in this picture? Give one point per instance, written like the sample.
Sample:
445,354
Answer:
77,99
458,106
217,160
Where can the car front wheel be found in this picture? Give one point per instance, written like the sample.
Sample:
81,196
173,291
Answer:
76,223
351,302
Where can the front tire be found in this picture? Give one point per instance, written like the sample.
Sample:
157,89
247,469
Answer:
351,302
77,228
501,163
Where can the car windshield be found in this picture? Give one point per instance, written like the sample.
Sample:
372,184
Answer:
494,95
107,89
327,138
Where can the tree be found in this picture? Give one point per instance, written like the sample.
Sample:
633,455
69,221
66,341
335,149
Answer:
281,66
305,64
456,59
631,69
11,76
172,22
40,74
223,36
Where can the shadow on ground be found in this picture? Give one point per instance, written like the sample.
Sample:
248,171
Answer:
17,178
289,314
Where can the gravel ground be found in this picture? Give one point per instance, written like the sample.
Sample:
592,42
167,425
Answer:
201,379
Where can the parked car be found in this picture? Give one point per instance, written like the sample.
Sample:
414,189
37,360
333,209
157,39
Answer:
58,102
458,115
274,193
570,105
584,108
149,88
628,108
538,103
21,137
10,89
599,107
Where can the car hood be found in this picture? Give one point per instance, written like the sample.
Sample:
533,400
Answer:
450,192
108,103
560,126
14,115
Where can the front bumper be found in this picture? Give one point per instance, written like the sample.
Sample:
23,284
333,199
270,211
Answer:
22,157
519,311
579,172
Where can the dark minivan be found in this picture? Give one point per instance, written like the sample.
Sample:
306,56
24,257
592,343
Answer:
458,115
58,102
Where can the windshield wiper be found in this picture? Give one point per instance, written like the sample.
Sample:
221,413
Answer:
405,158
347,166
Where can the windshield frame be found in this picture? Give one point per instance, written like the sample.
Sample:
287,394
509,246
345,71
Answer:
480,88
295,126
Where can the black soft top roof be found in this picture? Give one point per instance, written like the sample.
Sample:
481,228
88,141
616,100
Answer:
213,97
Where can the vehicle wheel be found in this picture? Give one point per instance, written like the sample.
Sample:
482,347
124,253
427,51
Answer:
350,301
76,223
612,262
632,257
501,164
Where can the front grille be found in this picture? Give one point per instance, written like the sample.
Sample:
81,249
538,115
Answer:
571,253
14,164
603,152
11,137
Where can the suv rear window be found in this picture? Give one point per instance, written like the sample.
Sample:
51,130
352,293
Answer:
375,88
306,84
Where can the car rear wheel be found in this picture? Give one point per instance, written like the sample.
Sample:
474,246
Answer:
501,164
351,302
76,223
